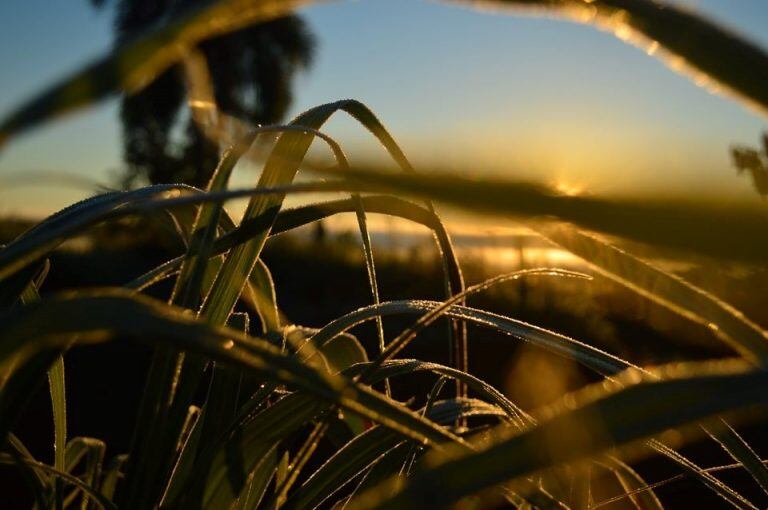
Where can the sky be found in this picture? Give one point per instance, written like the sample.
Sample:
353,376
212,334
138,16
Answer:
515,96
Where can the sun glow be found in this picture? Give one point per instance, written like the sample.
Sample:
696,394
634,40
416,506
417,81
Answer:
568,188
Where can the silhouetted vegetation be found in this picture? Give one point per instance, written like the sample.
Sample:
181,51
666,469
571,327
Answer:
754,161
251,73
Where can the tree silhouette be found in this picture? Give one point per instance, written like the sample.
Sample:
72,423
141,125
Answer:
754,161
251,72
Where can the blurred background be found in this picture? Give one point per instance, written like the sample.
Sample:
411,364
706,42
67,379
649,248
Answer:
521,96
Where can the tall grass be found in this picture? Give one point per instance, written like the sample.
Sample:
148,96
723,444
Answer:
274,391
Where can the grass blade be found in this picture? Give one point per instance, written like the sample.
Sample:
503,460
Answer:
631,482
300,460
258,481
219,410
249,445
591,357
729,495
400,367
59,405
37,479
431,316
365,449
46,235
666,289
740,451
57,391
261,292
92,452
370,266
100,500
112,474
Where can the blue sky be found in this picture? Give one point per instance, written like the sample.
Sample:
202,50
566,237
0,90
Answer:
524,97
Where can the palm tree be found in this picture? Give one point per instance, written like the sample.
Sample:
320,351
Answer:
251,72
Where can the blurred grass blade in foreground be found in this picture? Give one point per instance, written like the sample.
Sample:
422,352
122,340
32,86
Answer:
704,228
132,66
687,41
